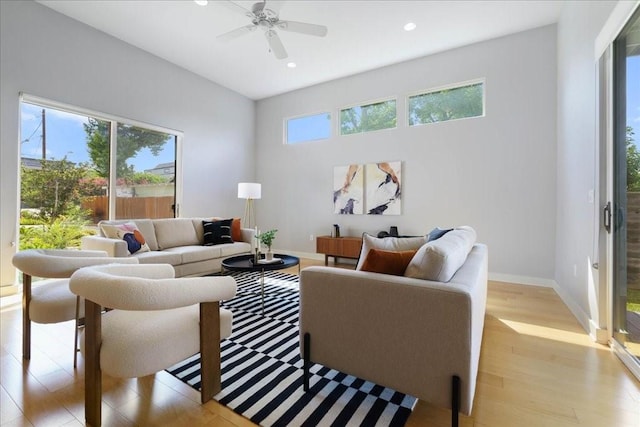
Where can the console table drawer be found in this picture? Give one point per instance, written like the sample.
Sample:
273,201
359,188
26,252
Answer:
338,247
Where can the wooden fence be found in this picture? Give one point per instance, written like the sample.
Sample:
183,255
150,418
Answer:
130,207
633,240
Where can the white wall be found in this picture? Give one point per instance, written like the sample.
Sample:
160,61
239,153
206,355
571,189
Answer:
578,28
496,173
51,56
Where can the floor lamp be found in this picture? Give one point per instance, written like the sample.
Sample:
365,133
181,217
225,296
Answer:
249,191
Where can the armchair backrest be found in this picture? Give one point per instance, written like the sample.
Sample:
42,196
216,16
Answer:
147,287
60,263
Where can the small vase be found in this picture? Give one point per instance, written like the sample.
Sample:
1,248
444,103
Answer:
269,255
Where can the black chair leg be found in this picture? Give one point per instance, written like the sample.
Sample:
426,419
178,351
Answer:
455,400
306,362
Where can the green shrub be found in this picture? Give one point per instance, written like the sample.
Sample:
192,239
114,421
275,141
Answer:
60,233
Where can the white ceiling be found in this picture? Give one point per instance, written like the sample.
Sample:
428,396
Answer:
362,35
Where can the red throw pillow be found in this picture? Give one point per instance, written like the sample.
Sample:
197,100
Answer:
387,262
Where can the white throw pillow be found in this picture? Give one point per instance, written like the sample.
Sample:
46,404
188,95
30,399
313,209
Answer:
388,244
128,232
439,260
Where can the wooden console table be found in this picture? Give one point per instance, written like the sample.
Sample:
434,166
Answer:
338,247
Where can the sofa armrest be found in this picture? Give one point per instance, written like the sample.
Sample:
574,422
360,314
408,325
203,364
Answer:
408,334
248,235
113,247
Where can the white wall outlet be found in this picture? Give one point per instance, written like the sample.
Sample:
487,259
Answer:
311,237
590,196
575,270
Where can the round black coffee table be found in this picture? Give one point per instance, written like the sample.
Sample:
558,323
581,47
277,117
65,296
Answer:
246,263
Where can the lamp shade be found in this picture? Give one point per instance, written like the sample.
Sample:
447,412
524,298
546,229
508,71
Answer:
249,190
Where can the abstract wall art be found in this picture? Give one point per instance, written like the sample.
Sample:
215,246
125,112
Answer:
372,189
348,189
383,189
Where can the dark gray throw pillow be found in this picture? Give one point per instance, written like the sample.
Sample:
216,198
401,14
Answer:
217,232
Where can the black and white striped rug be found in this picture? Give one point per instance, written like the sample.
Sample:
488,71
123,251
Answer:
262,368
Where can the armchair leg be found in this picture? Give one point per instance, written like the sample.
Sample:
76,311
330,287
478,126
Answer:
211,380
306,364
93,373
75,336
455,400
26,320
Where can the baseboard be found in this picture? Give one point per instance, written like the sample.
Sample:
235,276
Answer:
600,335
595,332
521,280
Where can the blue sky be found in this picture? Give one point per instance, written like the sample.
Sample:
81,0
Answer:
66,136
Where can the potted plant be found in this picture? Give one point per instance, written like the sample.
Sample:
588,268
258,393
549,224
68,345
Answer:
267,239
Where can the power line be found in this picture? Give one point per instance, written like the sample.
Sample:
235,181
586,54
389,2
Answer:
32,133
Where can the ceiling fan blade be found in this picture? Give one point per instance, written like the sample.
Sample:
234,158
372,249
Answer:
236,33
276,44
238,9
303,27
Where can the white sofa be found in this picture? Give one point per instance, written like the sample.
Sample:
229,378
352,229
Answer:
412,335
175,241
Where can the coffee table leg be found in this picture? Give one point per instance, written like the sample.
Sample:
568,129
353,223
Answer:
262,288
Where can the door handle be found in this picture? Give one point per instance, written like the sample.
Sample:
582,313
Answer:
607,217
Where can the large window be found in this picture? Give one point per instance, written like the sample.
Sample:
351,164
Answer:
456,102
308,128
70,179
367,118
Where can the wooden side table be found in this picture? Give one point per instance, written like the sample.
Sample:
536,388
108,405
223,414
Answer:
338,247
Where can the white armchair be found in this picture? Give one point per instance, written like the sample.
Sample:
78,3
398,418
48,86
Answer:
156,321
53,302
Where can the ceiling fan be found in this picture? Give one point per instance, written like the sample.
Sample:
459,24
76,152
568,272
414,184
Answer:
268,20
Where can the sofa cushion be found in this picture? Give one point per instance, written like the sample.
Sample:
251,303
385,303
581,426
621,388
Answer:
439,259
173,232
388,244
128,232
198,253
387,262
217,232
159,257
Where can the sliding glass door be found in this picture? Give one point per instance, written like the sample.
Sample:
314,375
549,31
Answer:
71,179
625,208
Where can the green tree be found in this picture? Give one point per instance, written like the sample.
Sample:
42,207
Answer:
148,178
633,162
131,140
448,104
54,188
381,115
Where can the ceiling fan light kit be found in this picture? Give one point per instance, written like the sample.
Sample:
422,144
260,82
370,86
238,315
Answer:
268,20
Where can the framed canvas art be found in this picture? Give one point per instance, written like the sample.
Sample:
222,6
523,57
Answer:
348,189
383,188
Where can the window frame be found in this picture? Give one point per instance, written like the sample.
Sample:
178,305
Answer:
115,120
285,127
482,81
365,104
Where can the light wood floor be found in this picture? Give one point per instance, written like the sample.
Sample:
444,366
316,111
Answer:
537,368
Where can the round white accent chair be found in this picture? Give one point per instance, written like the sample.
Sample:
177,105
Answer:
52,301
156,321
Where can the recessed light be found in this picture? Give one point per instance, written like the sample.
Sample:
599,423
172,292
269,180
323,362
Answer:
201,2
291,64
410,26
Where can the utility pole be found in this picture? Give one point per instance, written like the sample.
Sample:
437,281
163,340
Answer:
44,137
